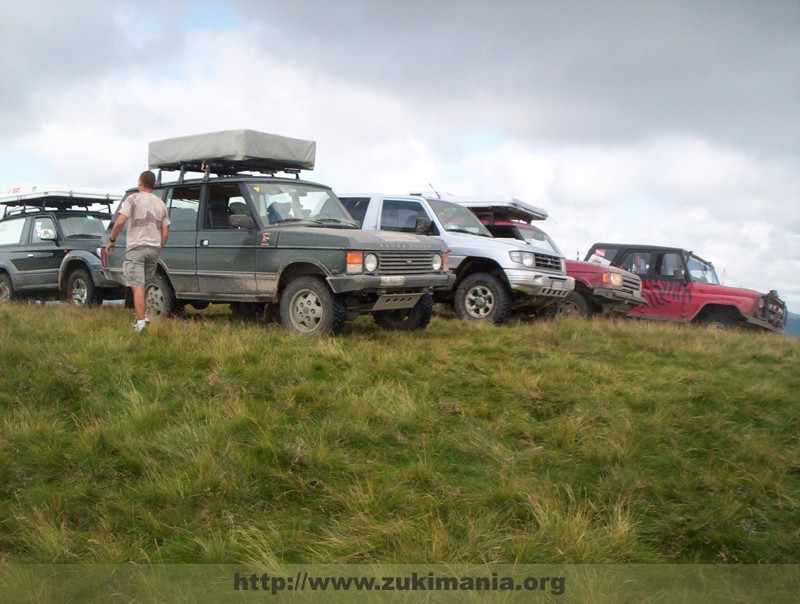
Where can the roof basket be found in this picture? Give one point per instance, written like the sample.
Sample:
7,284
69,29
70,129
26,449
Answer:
54,200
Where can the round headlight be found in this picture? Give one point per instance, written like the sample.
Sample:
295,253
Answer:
371,263
437,262
528,260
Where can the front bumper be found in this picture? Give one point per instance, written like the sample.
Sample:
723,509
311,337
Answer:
616,300
535,283
342,284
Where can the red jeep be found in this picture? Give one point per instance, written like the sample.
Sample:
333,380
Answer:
599,289
680,286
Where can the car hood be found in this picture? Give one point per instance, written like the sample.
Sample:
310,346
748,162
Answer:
463,244
354,239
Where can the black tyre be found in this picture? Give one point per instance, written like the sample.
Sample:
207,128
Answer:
308,306
406,319
574,305
718,321
159,298
6,289
80,288
483,297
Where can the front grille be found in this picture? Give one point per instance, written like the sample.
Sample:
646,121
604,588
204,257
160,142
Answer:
632,283
548,263
405,262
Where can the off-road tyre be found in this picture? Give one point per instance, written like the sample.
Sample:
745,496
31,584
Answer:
6,289
80,289
159,298
482,297
405,319
718,321
574,305
309,307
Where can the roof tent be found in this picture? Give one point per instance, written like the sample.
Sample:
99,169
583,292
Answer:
232,151
496,207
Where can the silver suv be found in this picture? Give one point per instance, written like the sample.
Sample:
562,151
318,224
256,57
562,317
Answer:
493,276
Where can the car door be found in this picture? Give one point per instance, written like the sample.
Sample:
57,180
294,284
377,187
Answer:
40,256
12,250
180,253
639,262
226,265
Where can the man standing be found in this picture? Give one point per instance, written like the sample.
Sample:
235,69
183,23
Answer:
147,234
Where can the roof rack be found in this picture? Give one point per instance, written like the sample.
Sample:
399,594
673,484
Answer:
231,152
52,199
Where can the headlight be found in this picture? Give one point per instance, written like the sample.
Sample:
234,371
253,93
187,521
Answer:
526,258
437,262
371,263
614,279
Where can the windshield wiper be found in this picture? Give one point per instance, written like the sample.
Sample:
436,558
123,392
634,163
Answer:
460,230
334,221
289,220
88,235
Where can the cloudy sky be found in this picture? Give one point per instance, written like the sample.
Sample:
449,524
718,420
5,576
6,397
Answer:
654,121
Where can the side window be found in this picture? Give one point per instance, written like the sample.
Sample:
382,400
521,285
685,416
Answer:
183,208
223,201
670,267
636,262
401,215
43,230
11,231
357,207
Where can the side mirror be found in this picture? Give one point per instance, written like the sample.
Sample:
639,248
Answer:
423,225
48,235
241,221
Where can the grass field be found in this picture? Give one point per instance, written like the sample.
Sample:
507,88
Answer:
211,440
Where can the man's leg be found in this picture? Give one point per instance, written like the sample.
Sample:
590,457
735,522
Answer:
138,302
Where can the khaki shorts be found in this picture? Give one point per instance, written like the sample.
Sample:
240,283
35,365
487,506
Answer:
139,266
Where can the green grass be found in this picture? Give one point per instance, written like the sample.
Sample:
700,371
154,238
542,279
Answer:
210,440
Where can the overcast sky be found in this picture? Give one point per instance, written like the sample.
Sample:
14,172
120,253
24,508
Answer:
663,122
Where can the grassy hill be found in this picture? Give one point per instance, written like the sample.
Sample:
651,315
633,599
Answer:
208,440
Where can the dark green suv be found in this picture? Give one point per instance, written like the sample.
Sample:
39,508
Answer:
49,243
263,243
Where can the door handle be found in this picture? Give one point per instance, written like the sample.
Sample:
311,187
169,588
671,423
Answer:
204,242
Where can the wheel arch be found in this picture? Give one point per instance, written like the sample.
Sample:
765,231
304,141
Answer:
725,310
298,269
471,266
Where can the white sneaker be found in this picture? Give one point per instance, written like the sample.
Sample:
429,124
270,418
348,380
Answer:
138,327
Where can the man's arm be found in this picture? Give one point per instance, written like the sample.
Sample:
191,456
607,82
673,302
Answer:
116,230
164,234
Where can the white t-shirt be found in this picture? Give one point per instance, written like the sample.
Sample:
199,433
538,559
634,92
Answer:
146,214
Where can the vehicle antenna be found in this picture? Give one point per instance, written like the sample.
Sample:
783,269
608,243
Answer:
435,191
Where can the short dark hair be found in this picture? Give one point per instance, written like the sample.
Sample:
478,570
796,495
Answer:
148,179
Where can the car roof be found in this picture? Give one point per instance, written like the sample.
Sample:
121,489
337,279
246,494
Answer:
56,199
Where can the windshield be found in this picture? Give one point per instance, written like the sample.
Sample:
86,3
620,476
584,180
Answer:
457,218
702,271
540,239
289,202
75,226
